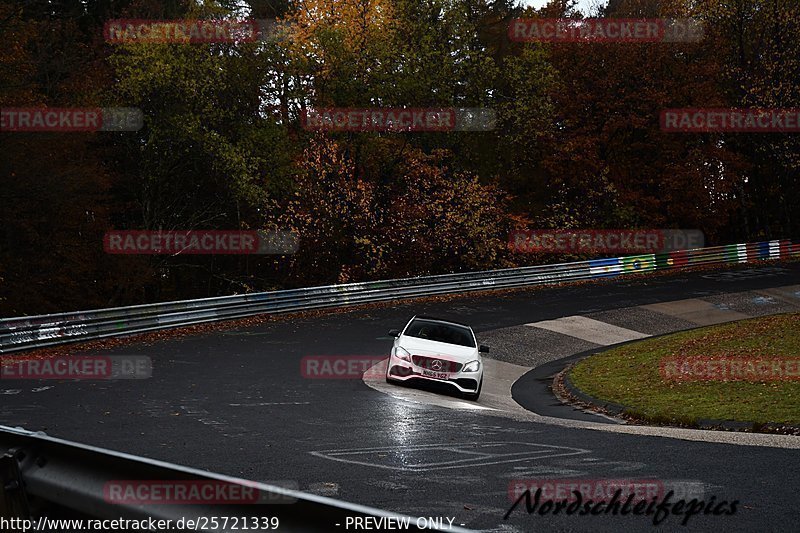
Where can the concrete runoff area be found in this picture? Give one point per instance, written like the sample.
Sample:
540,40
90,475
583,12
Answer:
590,330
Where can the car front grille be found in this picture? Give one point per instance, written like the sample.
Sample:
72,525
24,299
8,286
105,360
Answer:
430,363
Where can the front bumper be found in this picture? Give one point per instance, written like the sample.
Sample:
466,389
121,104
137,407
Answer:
402,370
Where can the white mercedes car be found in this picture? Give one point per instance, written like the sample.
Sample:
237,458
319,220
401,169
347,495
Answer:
431,349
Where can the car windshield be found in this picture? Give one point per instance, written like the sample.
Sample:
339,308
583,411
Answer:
441,332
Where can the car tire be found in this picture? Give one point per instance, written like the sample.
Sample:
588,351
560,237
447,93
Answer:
473,396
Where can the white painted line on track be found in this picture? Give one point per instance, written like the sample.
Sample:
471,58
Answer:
260,404
590,330
427,457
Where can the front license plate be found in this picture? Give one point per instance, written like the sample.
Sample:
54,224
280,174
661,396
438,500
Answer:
437,375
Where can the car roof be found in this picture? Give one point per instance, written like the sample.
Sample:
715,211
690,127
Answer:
424,317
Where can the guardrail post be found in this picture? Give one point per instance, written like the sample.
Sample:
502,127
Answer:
13,500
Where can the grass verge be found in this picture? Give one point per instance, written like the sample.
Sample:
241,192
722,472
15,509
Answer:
633,376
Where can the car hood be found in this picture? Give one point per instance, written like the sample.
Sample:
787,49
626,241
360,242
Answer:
430,348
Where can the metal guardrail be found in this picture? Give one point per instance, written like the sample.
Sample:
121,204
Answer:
25,333
40,476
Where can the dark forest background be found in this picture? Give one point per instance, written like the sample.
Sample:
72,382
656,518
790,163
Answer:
577,142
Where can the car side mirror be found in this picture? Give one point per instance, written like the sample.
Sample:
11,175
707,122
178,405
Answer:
483,349
394,332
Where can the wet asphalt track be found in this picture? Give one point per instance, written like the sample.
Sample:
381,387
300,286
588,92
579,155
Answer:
236,403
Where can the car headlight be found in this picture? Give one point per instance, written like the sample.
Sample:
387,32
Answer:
472,366
401,353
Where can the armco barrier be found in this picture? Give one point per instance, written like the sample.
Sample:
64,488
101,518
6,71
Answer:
47,330
40,476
